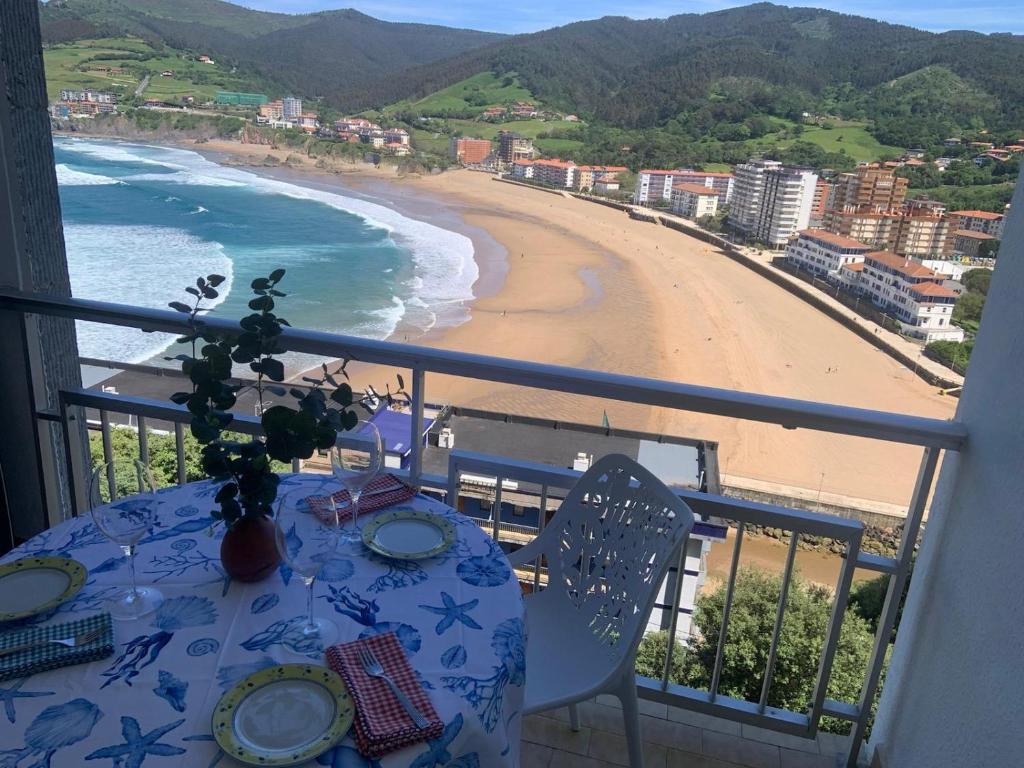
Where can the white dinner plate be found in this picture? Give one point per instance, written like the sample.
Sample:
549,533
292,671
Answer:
283,715
35,585
406,534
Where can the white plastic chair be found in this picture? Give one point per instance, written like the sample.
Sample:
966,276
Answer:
607,551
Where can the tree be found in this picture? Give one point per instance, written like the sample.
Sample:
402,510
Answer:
751,620
977,280
988,249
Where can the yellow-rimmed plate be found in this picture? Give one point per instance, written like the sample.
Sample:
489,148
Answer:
283,715
406,534
35,585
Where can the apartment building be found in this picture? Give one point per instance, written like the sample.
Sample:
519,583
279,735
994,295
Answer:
871,187
470,151
396,136
694,200
822,195
291,107
654,185
587,175
512,147
911,293
748,190
771,203
88,95
825,253
554,173
920,230
522,169
977,221
968,243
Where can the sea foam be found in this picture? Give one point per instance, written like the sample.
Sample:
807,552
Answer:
69,177
99,253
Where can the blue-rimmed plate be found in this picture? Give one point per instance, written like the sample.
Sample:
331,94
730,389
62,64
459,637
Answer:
407,534
35,585
283,715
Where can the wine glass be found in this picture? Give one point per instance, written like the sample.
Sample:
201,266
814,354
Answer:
124,503
355,461
307,538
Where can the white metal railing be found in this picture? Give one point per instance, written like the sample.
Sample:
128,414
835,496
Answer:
932,435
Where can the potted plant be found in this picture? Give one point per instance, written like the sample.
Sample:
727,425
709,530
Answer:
245,466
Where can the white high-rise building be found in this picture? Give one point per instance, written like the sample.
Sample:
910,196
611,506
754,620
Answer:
291,107
771,203
786,205
748,189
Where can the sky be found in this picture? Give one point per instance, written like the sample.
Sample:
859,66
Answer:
533,15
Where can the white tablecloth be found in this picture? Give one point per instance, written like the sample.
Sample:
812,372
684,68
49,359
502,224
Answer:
459,617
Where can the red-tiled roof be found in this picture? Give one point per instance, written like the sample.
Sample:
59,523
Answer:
712,174
933,290
976,235
556,163
978,215
695,189
855,266
904,265
833,239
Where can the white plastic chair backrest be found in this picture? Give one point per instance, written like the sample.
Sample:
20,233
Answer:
608,549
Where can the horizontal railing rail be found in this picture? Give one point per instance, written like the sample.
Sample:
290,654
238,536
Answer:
744,514
787,412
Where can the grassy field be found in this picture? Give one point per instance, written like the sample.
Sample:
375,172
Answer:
474,94
854,139
77,65
556,147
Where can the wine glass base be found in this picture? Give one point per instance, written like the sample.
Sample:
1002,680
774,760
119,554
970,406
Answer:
128,606
317,639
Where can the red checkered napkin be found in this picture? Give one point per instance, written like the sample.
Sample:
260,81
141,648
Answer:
371,500
381,724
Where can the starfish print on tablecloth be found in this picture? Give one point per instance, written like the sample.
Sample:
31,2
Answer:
137,747
8,695
452,612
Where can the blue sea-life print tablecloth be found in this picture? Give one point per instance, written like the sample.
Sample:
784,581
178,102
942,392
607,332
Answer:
459,617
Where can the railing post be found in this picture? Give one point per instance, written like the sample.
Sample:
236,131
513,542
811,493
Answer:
416,436
893,597
179,452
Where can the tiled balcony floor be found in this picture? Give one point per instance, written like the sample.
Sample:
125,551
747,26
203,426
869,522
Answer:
673,738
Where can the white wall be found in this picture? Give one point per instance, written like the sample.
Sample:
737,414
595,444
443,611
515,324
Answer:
955,691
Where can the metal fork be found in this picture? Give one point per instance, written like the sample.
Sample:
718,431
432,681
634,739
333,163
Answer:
82,638
374,669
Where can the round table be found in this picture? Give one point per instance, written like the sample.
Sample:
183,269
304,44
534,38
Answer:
459,617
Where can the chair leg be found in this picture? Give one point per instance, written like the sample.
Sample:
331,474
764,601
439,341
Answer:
574,717
631,718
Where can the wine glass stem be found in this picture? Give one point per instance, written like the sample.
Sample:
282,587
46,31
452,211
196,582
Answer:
129,551
354,495
310,624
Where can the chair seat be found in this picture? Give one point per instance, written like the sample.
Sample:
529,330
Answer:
564,663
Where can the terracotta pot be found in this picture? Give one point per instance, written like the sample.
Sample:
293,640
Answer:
248,551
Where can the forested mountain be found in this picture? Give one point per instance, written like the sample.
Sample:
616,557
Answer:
760,57
310,54
687,74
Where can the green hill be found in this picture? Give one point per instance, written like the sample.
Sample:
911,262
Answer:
468,97
309,54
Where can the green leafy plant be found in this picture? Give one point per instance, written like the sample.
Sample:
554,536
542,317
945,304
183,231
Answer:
245,467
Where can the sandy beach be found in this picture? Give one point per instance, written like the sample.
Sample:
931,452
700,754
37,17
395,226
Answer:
586,286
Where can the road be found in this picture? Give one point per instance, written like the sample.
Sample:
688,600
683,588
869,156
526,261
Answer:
142,87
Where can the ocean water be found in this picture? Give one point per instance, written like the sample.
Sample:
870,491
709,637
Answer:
142,222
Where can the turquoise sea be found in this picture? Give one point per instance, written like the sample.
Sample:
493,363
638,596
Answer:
141,222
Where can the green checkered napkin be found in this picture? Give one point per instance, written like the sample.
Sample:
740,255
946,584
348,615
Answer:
54,655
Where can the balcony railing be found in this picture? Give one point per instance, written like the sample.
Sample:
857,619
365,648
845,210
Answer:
931,435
